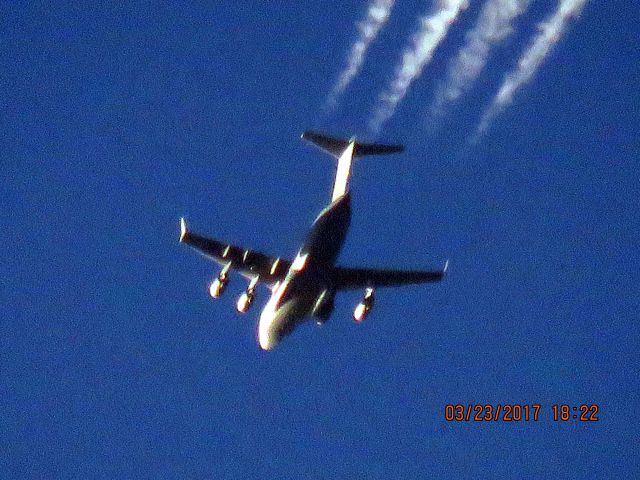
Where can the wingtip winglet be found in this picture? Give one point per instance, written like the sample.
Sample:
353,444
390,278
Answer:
183,229
446,267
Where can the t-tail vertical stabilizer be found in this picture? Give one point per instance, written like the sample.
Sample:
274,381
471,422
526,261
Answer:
343,172
345,151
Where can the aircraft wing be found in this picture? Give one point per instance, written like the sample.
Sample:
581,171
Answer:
248,263
357,278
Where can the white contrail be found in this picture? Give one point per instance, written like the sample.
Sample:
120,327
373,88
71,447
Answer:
377,15
549,34
433,29
493,26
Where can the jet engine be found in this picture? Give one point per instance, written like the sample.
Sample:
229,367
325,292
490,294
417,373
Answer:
245,300
218,286
324,306
365,306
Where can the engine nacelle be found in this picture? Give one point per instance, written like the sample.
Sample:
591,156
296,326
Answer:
244,302
218,286
364,307
324,306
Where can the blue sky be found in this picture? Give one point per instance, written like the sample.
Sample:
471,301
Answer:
115,363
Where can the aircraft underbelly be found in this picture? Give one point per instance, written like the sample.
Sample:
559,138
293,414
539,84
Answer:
275,325
328,232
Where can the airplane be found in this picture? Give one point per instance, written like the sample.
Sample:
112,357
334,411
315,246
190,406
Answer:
305,288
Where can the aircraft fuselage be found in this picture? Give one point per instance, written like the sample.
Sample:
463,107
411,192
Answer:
306,290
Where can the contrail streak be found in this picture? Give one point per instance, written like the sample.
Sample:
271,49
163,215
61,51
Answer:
493,26
377,15
550,33
432,31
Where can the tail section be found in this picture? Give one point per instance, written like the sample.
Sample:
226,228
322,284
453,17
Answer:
336,146
345,151
343,172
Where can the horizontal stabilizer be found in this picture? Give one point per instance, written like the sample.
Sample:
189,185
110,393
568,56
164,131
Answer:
336,146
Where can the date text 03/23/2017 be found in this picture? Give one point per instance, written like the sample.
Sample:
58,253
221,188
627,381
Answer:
515,412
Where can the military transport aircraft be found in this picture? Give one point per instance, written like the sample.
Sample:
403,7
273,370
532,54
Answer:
305,287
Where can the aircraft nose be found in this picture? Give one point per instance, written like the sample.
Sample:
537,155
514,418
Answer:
267,335
267,343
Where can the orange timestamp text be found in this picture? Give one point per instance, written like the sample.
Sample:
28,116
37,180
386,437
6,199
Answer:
515,412
509,412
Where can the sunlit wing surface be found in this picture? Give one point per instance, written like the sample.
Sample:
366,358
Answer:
248,263
358,278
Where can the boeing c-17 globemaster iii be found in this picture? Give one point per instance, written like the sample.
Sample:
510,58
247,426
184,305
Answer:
305,288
